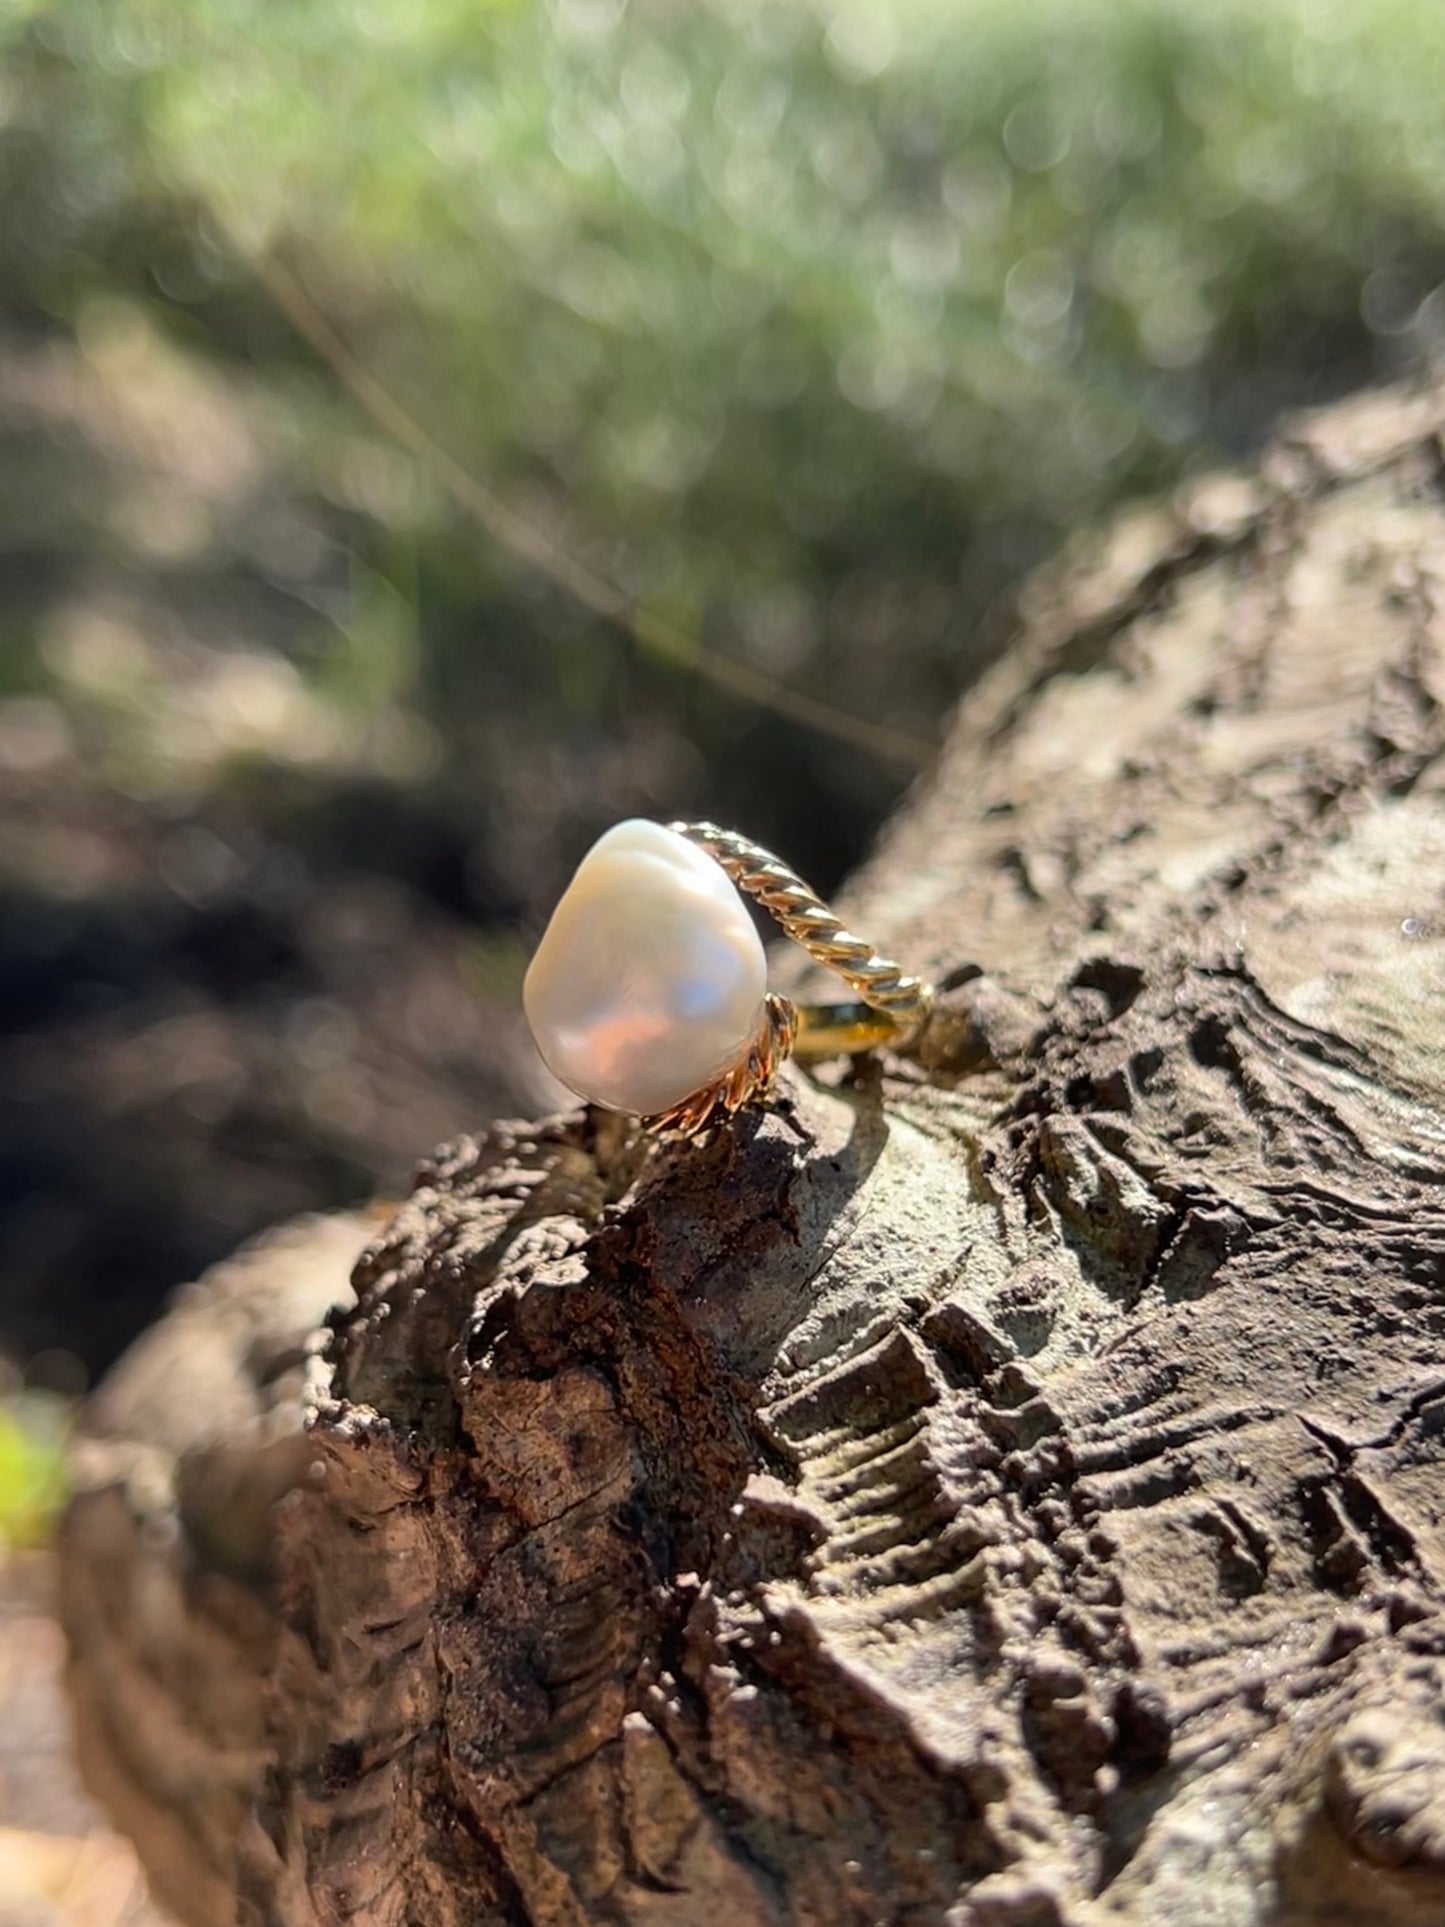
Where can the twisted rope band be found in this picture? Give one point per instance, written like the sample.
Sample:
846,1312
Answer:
894,1006
804,916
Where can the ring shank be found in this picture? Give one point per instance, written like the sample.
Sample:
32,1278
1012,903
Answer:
892,1008
838,1030
900,1002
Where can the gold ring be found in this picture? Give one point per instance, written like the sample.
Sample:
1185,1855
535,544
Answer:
648,991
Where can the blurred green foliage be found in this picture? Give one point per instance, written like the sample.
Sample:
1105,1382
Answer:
806,323
32,1485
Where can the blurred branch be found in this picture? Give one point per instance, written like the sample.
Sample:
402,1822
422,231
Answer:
587,586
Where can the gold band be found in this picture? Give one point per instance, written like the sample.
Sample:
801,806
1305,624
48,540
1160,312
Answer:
893,1009
837,1030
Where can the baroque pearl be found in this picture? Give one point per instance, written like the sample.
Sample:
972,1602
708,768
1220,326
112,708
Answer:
650,979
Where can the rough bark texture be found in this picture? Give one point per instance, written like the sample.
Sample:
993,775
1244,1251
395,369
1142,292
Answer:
1005,1489
168,1553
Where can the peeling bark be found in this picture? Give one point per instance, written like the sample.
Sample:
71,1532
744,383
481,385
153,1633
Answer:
1002,1489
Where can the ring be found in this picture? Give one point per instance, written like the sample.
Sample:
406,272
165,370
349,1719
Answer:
648,991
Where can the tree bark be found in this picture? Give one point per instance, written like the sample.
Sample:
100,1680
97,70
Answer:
168,1591
1004,1488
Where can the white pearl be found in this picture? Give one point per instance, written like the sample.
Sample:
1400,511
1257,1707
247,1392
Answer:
649,981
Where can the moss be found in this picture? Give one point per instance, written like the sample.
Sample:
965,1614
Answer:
32,1484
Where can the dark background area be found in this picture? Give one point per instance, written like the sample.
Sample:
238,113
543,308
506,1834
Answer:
428,434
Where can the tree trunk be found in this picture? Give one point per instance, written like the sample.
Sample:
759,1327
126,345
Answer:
1004,1488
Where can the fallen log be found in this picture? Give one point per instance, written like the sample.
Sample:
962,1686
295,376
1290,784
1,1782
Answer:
1003,1488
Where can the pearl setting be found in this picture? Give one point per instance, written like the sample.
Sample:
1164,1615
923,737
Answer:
650,981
